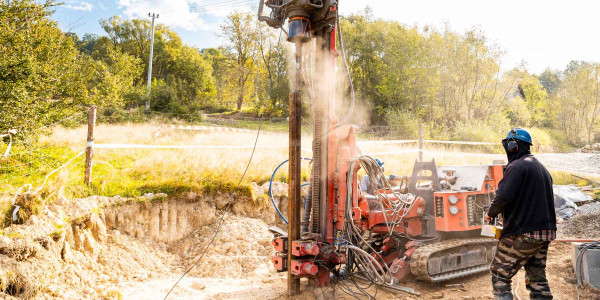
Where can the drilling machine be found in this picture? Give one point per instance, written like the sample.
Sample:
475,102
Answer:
429,228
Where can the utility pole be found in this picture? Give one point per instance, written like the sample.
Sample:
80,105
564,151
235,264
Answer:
153,16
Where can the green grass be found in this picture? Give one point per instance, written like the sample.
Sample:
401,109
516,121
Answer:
133,173
565,178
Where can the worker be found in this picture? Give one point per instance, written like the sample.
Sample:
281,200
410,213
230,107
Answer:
365,184
526,201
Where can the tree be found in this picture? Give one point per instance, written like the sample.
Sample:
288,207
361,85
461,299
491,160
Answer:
239,31
273,57
580,101
38,60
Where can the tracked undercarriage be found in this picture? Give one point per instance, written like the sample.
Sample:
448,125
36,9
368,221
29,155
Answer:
452,259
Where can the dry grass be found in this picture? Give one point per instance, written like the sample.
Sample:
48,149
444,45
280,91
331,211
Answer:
175,170
133,172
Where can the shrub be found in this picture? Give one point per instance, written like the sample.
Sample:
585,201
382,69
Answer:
404,124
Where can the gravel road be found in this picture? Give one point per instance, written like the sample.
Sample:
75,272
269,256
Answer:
582,163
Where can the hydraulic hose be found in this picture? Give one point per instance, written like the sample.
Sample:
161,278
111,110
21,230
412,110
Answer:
271,187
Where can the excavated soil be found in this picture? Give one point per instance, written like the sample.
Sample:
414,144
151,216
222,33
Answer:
116,248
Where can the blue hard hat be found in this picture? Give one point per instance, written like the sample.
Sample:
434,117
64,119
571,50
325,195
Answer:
519,134
379,162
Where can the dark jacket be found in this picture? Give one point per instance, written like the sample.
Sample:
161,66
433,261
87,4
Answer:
524,196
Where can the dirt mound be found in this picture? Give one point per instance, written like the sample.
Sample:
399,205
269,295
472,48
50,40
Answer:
584,224
242,248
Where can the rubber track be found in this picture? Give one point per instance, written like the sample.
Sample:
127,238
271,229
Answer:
418,261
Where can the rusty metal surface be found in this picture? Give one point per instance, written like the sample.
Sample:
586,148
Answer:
425,258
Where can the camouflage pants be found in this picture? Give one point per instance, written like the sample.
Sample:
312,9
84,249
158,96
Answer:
516,252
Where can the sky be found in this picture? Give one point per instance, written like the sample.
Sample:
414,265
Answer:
539,33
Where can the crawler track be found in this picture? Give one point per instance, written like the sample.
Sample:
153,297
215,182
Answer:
451,259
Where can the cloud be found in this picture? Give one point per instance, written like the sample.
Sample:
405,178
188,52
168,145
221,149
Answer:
84,6
192,15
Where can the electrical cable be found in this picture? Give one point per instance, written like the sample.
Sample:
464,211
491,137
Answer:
339,30
220,222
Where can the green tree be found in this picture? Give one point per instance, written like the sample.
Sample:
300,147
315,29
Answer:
37,61
240,34
580,101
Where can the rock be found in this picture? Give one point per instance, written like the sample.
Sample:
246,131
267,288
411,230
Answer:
148,196
438,295
565,197
559,220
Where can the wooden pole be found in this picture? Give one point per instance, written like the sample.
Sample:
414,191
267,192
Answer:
89,150
421,142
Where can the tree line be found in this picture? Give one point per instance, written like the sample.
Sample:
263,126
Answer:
457,85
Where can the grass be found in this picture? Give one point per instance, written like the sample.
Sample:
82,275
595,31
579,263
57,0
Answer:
135,172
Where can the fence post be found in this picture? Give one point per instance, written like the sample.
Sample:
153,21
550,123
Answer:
420,142
89,150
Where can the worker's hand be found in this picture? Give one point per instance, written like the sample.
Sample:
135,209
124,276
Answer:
488,219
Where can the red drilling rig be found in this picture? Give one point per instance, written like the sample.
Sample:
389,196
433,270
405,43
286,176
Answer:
429,227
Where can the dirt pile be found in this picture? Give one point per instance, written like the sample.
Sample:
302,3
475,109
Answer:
584,224
67,252
83,248
241,249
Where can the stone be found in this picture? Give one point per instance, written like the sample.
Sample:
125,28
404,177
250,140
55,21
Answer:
438,295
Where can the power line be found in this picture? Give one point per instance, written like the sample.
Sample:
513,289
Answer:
233,5
222,4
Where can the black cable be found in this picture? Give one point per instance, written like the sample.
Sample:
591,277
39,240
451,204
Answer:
220,222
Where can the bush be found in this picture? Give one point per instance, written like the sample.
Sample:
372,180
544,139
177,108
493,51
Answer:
404,124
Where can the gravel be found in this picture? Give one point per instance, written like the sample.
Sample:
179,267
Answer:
584,224
582,163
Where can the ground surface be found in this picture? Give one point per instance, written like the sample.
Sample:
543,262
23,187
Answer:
103,247
267,284
584,163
